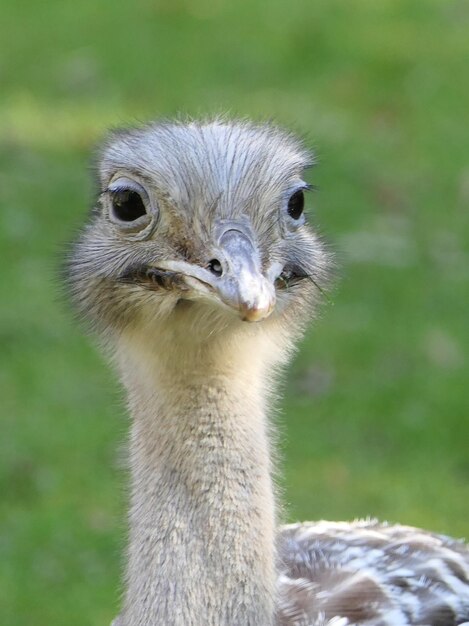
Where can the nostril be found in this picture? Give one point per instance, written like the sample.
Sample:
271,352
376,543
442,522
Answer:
215,267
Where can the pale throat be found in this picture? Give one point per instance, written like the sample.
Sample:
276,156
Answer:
202,505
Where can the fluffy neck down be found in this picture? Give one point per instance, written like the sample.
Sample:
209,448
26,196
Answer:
202,515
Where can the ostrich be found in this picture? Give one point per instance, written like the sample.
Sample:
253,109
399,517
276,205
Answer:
199,273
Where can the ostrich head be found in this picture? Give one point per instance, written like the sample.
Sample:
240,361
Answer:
198,229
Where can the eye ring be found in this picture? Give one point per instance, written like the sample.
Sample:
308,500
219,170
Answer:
129,201
129,206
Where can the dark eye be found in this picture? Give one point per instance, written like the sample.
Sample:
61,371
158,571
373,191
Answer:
127,205
296,204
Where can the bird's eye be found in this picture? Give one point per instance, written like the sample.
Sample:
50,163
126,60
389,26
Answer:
127,205
296,204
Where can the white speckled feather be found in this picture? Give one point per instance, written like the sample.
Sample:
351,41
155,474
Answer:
370,573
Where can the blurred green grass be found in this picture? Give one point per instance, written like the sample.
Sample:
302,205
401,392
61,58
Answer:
375,417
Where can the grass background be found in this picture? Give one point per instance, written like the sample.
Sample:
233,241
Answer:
377,402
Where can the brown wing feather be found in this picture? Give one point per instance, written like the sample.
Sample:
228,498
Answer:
342,574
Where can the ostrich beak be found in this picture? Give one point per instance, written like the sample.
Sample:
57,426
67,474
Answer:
233,276
238,278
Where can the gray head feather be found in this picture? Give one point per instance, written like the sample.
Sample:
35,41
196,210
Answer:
195,181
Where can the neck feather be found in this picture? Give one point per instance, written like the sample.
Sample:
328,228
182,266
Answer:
202,516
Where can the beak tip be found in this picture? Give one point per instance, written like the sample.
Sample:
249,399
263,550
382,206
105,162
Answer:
255,314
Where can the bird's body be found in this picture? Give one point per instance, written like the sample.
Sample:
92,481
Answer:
370,573
198,231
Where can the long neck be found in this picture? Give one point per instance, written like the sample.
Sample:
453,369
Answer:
202,515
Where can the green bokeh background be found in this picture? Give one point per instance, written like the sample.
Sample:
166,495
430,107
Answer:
375,416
